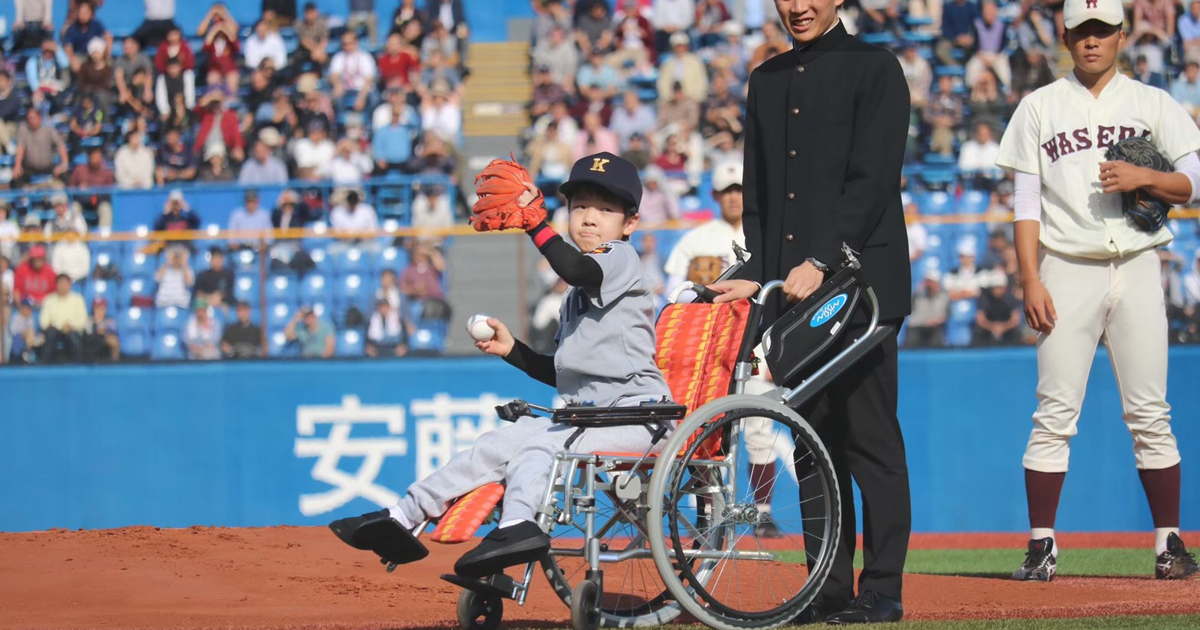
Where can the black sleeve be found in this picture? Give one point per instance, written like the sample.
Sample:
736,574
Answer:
538,366
873,171
752,212
575,268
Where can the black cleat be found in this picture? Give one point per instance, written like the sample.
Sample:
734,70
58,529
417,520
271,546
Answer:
869,607
1040,563
380,533
766,527
1176,563
518,544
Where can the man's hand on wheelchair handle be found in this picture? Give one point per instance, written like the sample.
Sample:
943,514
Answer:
731,290
802,281
501,343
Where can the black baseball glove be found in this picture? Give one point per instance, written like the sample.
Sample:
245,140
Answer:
1145,211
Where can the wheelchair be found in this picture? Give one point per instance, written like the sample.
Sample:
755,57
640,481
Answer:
639,539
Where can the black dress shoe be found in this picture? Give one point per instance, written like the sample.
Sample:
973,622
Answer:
821,608
869,607
380,533
504,547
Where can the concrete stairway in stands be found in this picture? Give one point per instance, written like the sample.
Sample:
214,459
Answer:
486,270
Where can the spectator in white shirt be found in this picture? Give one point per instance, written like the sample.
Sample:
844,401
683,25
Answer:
265,43
353,215
313,153
134,163
670,17
397,98
349,165
386,332
441,114
352,70
977,156
250,218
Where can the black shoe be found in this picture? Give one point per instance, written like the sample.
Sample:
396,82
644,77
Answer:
766,527
380,533
504,547
1040,563
869,607
1176,563
820,609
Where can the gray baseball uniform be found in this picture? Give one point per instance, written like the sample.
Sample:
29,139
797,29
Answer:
605,355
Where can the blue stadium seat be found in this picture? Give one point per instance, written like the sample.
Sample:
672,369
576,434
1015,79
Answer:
134,287
428,340
135,342
958,334
350,343
394,258
111,249
139,264
107,289
352,260
278,315
282,289
279,347
935,203
316,288
244,260
245,288
353,290
170,320
168,346
320,257
974,202
960,323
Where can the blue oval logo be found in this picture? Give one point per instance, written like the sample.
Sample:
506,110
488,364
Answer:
828,310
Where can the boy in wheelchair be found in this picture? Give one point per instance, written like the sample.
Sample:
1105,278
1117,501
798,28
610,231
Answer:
605,357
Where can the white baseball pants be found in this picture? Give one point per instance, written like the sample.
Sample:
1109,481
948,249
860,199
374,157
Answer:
1120,302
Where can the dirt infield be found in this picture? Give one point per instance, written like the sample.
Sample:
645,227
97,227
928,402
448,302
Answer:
302,577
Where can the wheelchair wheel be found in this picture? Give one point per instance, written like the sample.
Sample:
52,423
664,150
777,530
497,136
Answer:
477,611
585,606
715,555
634,593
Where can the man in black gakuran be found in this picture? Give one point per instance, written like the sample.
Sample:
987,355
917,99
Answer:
826,125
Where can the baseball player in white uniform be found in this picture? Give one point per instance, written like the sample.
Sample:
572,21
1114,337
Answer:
1090,276
714,240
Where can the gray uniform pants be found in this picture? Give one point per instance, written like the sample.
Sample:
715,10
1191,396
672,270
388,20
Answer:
520,454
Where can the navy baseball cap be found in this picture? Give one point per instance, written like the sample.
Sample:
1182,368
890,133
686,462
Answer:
610,172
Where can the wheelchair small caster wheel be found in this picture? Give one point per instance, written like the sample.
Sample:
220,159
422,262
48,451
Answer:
477,611
585,606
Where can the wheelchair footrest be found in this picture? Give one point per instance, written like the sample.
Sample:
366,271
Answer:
499,585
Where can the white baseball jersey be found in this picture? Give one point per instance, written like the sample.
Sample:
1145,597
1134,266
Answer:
1060,133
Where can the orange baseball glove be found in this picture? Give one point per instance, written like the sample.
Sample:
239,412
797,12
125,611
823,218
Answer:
499,186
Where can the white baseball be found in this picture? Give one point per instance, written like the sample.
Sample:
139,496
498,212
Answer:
478,327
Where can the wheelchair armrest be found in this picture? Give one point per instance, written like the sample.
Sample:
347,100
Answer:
511,412
646,414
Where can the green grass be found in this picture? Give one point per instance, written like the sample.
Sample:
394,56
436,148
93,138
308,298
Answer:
1002,562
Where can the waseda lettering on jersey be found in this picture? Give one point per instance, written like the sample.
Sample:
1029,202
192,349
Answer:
1064,144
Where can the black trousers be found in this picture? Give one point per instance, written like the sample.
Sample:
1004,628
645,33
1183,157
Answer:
855,417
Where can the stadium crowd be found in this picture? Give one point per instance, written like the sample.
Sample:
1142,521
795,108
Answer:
317,105
301,97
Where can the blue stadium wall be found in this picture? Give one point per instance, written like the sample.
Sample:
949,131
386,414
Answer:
298,443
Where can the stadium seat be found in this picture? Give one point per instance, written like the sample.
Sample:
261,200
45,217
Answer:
960,323
138,264
170,320
353,290
278,316
245,288
394,258
168,346
137,286
974,202
935,203
427,340
316,288
320,257
244,260
282,289
279,347
352,260
135,342
107,289
350,343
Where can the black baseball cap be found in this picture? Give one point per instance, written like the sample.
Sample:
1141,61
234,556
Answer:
610,172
